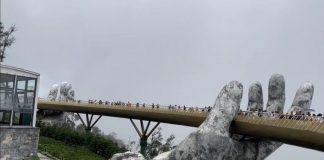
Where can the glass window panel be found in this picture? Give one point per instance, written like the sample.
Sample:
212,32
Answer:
6,85
21,85
31,85
5,117
24,102
10,85
2,97
5,100
22,119
30,98
6,80
16,118
20,101
27,119
23,108
21,97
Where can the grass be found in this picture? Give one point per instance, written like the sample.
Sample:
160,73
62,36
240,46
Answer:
63,151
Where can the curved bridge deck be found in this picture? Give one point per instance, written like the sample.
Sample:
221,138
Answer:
300,131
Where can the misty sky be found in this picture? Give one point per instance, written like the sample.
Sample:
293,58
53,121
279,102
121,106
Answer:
170,51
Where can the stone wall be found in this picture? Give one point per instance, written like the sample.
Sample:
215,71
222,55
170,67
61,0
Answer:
18,142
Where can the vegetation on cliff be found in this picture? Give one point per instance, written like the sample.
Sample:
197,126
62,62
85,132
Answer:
93,142
60,150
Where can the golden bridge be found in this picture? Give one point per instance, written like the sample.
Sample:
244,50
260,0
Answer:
304,131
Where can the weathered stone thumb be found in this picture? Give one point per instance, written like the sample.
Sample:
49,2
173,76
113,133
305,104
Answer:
225,108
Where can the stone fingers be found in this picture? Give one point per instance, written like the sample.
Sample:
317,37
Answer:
303,98
276,94
226,107
255,104
276,102
255,97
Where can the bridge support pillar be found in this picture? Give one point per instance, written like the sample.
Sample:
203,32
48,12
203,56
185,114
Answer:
143,144
88,126
144,134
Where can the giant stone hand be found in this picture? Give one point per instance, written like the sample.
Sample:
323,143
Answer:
66,92
213,141
52,95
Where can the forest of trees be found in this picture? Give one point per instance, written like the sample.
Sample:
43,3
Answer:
105,145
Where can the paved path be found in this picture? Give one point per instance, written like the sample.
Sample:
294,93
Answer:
43,157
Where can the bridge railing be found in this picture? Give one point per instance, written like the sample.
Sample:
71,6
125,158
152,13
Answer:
301,122
304,122
131,106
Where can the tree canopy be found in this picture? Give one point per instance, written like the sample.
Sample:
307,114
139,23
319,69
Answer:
6,39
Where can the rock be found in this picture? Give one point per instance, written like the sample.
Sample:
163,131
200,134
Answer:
225,108
276,91
52,95
255,97
66,92
163,156
128,156
212,140
303,97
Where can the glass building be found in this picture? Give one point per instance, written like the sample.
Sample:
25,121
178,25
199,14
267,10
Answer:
18,96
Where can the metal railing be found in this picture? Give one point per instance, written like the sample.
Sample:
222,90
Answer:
130,106
300,122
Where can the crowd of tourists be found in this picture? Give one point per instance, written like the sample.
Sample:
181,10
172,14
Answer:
296,115
153,106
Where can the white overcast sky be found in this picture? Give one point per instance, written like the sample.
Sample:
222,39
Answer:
170,51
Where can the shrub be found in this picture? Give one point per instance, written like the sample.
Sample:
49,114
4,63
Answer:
94,142
60,150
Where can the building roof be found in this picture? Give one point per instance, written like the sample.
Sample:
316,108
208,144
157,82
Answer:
17,71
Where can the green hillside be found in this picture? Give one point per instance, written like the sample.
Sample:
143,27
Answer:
61,150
